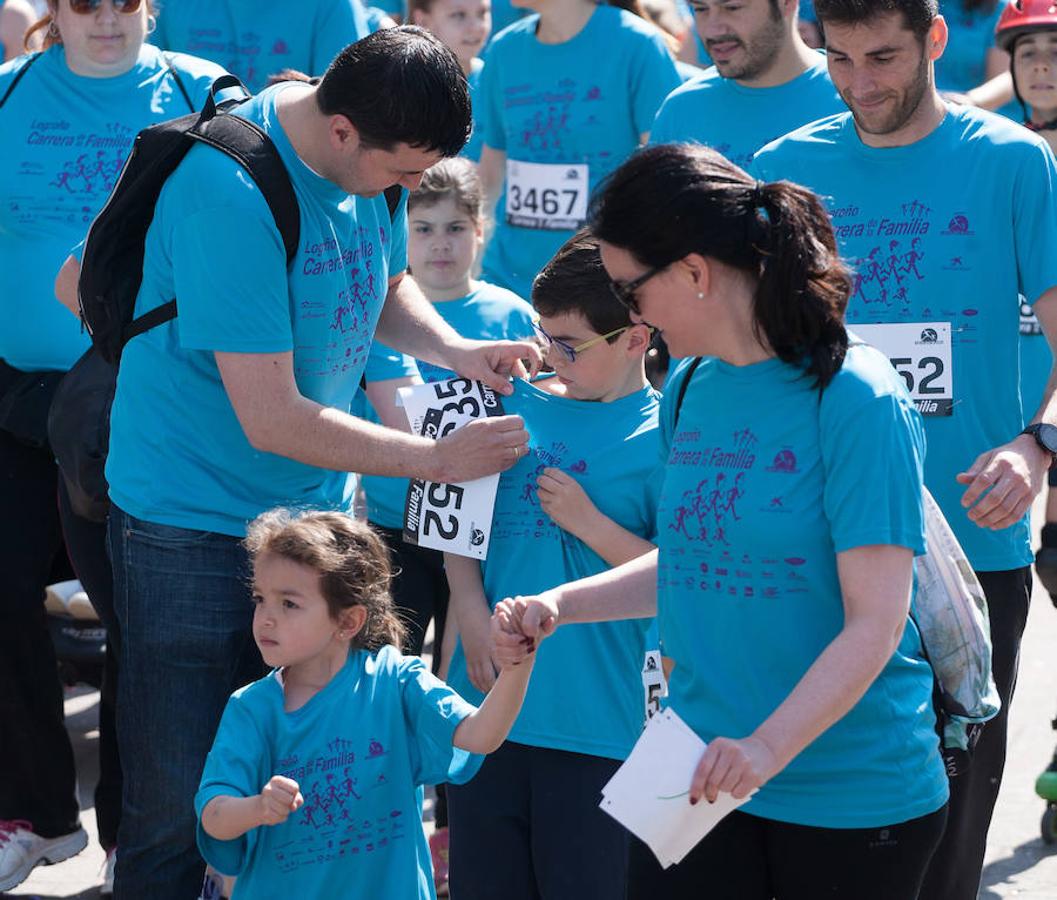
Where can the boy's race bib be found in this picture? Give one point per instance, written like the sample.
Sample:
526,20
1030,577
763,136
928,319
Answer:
456,518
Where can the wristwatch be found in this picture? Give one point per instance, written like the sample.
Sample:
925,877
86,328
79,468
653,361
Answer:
1045,436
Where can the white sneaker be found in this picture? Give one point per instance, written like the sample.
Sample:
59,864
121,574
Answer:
21,851
107,889
56,596
80,607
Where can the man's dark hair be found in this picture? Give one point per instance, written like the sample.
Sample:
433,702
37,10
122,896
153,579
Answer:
917,14
575,281
399,85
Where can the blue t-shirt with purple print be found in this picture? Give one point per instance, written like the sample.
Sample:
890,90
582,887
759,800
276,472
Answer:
753,511
178,455
360,751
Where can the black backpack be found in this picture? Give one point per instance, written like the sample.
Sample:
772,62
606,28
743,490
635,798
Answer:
112,270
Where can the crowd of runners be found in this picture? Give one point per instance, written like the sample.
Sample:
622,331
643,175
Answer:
746,276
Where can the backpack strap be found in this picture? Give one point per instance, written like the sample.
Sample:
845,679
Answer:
33,57
178,81
682,388
252,149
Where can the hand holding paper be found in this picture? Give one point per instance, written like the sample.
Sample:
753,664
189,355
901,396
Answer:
650,794
733,767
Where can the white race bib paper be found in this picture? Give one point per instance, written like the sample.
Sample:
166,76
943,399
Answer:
650,793
921,354
549,196
654,684
456,518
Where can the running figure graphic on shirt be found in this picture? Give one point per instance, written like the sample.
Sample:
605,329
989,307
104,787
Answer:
883,278
86,176
708,508
543,131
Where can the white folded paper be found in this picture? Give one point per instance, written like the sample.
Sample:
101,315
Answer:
650,794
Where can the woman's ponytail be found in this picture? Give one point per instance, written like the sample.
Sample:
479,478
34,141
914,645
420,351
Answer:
672,200
803,288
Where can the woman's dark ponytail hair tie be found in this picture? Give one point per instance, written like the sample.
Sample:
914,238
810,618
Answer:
758,195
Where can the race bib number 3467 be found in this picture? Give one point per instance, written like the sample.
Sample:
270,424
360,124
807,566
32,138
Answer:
921,354
452,517
546,196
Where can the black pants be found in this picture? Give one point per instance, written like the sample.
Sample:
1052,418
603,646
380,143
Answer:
38,781
86,545
749,858
420,591
954,873
528,827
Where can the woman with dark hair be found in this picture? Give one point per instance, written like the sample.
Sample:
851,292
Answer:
68,116
788,520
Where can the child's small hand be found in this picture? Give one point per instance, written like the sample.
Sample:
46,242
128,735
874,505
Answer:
280,797
564,500
510,647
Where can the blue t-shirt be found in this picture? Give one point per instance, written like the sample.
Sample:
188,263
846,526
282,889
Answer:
580,104
737,120
504,13
66,138
472,150
927,249
359,750
753,510
178,455
970,35
586,690
257,38
487,313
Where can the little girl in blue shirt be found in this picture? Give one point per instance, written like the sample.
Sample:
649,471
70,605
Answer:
313,785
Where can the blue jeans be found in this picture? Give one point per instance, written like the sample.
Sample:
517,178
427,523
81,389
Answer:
182,599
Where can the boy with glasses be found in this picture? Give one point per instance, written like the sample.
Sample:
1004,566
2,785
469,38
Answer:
580,502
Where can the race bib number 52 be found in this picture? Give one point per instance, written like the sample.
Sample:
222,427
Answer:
452,517
921,354
552,197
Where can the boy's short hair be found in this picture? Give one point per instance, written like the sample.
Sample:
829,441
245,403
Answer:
918,15
575,281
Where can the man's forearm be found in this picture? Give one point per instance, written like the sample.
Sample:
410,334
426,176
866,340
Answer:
330,439
410,324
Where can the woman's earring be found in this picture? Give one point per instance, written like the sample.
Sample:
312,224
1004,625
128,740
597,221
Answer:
53,30
700,295
152,24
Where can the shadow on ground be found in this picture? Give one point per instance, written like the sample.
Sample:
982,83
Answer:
1000,871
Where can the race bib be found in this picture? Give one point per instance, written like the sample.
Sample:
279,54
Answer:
1029,323
456,518
921,354
552,197
654,684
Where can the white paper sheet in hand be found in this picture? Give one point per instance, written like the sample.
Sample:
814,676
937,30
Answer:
650,793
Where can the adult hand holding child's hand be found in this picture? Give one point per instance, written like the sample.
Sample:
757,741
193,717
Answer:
280,797
519,624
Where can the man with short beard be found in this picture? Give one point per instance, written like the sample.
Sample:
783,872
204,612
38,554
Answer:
948,214
765,82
